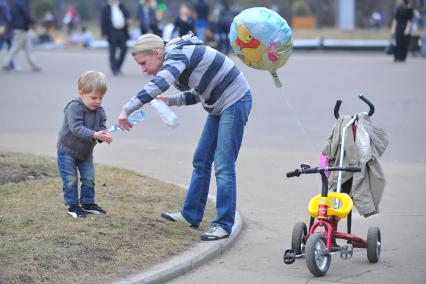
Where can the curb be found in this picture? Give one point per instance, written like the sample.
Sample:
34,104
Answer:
195,256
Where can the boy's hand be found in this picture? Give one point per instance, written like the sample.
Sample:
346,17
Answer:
164,99
123,123
103,136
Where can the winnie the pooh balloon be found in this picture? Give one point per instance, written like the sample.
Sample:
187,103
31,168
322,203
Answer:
262,39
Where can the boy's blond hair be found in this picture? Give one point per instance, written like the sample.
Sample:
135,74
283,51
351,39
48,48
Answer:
92,80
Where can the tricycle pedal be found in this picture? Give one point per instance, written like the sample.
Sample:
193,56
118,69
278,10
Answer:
289,256
346,251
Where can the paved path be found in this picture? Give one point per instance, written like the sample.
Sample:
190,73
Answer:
287,126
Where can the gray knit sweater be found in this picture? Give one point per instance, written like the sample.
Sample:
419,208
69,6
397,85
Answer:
80,123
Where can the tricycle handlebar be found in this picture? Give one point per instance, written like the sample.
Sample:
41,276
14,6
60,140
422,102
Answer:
316,170
362,97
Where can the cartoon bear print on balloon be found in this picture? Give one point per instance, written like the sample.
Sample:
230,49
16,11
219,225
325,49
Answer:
251,48
262,39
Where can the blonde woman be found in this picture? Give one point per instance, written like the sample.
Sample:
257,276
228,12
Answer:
207,76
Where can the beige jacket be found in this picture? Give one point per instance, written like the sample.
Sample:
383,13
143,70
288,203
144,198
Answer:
364,151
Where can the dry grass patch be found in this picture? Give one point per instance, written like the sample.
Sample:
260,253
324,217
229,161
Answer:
40,243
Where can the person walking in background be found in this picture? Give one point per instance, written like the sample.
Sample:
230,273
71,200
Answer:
71,19
5,29
203,75
148,21
202,20
184,23
83,126
401,29
223,25
114,28
21,24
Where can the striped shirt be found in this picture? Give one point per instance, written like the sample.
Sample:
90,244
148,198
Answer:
200,72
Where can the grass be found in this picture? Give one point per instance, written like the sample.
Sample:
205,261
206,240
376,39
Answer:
40,243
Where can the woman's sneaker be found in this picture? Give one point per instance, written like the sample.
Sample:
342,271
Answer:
176,217
93,208
215,232
76,212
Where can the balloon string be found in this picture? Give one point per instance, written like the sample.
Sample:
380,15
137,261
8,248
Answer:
307,139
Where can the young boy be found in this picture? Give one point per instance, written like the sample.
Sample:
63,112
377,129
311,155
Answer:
83,126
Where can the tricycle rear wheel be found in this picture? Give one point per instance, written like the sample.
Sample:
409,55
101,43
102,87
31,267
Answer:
297,238
374,244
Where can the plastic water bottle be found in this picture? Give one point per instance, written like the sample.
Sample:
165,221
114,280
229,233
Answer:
166,113
134,118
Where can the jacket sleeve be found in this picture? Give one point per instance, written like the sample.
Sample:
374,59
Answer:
185,98
172,67
75,117
125,12
104,21
102,124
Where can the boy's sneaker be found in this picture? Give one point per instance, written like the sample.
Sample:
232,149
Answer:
176,217
76,212
93,208
215,232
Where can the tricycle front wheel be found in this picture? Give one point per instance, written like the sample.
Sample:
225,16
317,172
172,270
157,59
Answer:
318,258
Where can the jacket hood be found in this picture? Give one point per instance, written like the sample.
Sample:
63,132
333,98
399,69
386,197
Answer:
186,40
76,100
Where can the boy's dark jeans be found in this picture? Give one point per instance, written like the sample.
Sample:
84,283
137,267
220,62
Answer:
68,166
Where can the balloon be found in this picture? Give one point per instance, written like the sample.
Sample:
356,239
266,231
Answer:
262,39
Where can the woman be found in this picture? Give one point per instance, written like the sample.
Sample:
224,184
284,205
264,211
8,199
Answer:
184,23
401,28
203,75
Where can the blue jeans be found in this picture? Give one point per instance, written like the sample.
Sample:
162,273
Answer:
220,143
68,166
201,26
8,42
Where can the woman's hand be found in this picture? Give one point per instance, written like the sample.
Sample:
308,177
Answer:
103,136
164,99
123,123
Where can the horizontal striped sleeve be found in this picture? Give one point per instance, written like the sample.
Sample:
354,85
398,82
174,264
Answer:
133,104
171,69
175,56
175,63
184,98
191,98
161,83
175,72
152,89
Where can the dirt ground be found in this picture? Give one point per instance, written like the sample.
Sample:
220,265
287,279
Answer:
13,173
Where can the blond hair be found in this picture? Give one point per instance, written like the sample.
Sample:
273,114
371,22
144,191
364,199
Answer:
149,42
92,80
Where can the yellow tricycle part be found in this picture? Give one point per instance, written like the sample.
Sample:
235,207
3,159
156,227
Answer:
346,204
